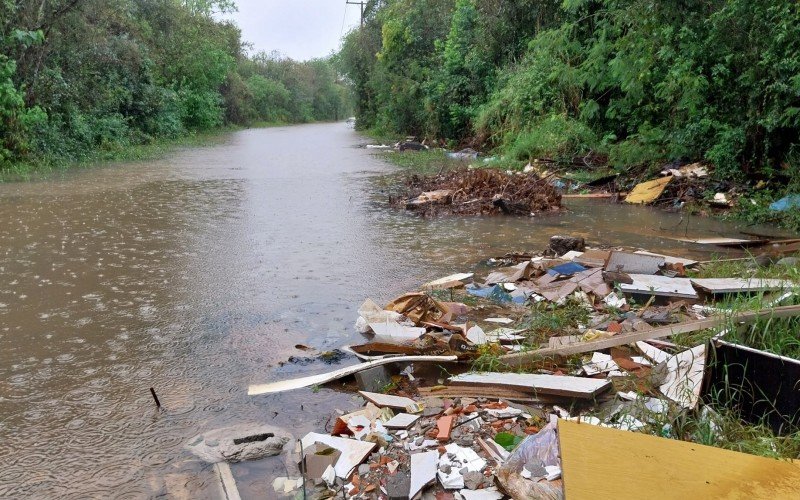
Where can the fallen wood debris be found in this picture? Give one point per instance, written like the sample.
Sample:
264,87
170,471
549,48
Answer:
480,192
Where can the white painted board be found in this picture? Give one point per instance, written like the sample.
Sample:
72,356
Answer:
322,378
660,286
578,387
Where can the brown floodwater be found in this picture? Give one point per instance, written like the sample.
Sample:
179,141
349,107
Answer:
197,274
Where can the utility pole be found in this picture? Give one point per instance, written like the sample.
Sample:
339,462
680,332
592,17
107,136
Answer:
360,4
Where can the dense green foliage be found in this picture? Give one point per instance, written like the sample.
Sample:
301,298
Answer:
78,76
633,81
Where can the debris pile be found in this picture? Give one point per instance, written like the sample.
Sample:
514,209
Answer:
508,424
480,192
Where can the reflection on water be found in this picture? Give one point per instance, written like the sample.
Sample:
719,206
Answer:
196,275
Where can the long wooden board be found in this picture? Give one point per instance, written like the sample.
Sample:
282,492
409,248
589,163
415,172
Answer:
733,285
323,378
610,463
521,358
575,387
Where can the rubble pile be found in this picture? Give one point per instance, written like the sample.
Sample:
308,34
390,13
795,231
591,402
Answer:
497,428
480,192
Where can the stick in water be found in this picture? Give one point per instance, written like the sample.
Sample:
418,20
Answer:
153,392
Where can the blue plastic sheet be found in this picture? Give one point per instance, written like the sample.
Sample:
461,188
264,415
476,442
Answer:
567,269
785,203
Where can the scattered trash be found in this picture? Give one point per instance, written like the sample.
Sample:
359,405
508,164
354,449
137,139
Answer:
431,433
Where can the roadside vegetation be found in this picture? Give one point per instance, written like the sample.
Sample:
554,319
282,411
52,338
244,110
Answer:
593,84
82,80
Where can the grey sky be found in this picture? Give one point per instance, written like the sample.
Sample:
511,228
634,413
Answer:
300,29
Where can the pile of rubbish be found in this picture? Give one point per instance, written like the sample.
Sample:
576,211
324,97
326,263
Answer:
480,192
592,404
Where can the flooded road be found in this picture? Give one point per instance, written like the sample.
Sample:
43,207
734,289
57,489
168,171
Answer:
196,275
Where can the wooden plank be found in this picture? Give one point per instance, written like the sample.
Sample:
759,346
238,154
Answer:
323,378
353,452
723,242
669,259
227,483
648,192
452,281
661,286
521,358
733,285
634,263
576,387
387,400
628,465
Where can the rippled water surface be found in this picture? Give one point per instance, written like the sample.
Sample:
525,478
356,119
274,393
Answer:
197,274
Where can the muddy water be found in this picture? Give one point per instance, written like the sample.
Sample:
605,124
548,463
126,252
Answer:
197,275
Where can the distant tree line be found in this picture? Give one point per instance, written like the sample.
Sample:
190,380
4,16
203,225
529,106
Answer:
81,75
630,81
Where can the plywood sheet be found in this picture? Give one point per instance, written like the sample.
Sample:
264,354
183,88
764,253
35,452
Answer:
610,463
576,387
648,192
634,263
662,286
732,285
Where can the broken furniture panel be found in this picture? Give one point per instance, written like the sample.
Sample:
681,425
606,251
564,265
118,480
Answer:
760,386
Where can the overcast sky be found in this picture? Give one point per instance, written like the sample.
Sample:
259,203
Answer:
300,29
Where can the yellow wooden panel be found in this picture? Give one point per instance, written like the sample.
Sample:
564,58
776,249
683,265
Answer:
648,192
598,462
